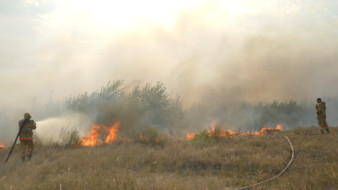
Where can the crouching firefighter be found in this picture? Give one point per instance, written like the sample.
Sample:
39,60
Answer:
26,136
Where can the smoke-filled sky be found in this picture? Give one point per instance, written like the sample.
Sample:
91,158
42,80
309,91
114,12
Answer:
206,51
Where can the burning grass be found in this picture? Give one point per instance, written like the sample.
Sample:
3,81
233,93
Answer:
181,164
91,139
221,132
147,136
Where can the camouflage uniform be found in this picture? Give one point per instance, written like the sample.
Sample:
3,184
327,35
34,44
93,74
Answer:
321,116
26,136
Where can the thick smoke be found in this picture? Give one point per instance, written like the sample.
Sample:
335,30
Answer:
206,54
224,64
215,60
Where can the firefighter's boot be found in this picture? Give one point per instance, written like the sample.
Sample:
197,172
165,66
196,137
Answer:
29,156
327,130
23,156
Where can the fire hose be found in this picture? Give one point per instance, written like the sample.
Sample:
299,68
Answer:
21,127
274,177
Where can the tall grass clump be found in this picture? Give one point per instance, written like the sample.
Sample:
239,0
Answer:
69,137
211,136
202,137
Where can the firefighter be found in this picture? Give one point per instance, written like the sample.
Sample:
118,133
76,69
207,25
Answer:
26,136
321,115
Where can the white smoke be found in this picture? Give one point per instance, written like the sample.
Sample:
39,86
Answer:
50,130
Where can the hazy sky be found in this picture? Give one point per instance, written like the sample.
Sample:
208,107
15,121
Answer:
204,50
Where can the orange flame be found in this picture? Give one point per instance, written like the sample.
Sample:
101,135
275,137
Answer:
245,134
263,131
228,133
222,132
231,132
2,146
91,138
113,132
190,136
96,131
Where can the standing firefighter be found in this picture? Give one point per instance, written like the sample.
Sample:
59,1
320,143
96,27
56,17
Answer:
321,116
26,136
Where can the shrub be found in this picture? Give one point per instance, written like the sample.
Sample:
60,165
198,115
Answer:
142,106
149,136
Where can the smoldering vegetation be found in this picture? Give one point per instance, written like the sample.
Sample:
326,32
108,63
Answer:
152,106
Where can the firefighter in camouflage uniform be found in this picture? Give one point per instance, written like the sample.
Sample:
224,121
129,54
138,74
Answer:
26,136
321,116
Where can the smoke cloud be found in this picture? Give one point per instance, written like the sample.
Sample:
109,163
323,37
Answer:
208,52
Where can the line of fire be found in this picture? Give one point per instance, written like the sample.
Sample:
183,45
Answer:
100,134
94,136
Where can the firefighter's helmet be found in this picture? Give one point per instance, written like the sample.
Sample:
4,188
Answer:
27,115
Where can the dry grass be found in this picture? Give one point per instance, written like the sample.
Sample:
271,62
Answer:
181,164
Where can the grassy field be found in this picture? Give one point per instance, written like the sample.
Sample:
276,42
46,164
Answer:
181,164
